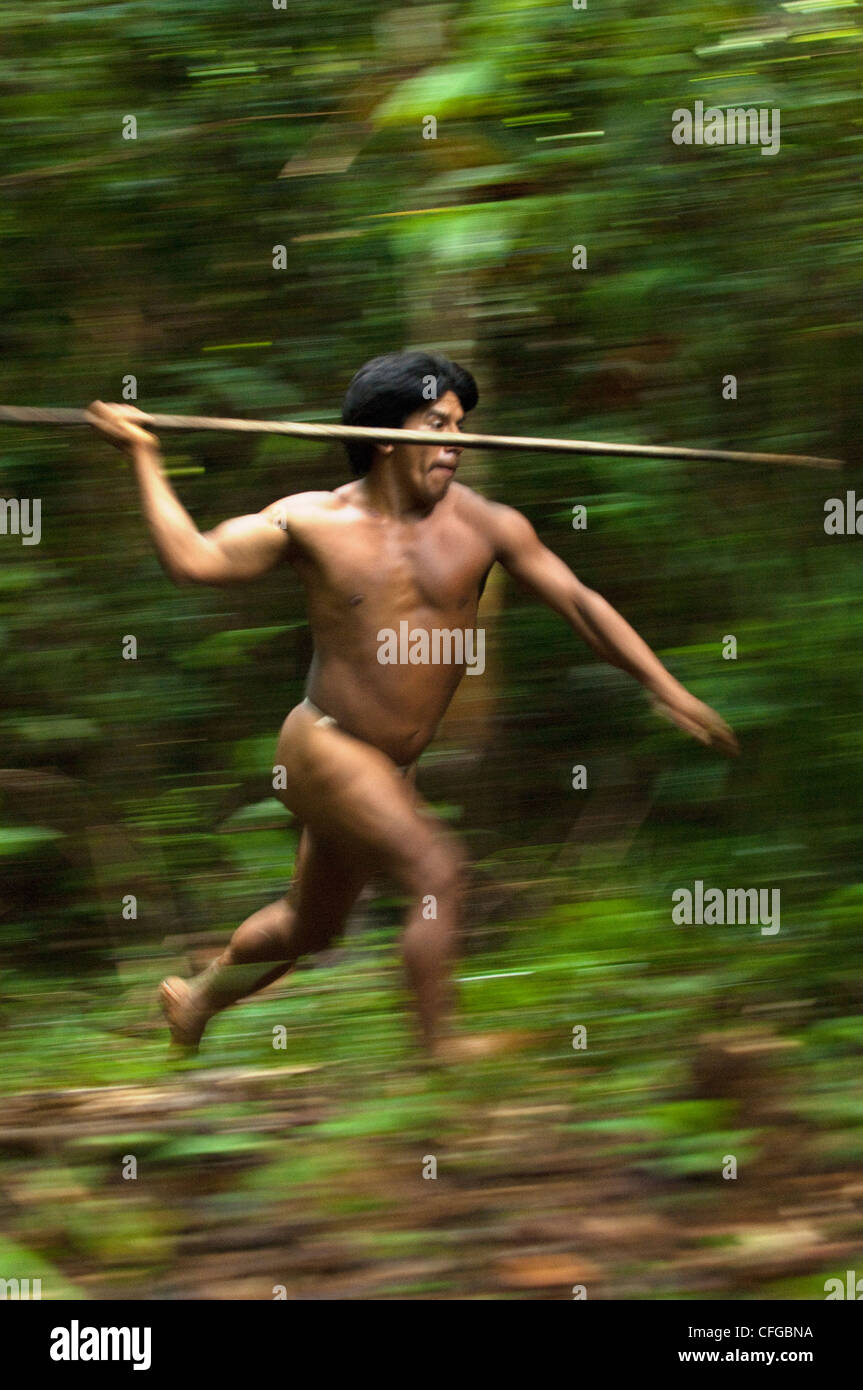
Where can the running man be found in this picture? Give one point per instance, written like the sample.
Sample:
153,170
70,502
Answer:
404,542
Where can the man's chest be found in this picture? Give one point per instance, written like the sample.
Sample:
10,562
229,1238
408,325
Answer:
404,568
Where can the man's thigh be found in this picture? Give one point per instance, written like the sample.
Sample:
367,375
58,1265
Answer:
358,810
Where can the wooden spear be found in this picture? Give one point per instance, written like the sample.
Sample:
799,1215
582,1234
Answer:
33,415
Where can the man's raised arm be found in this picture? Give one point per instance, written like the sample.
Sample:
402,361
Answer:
522,554
244,548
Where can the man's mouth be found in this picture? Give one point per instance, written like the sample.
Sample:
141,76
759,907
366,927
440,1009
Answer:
449,464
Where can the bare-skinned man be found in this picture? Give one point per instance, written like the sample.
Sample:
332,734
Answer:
402,543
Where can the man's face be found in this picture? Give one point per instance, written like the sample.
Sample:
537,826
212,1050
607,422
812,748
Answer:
430,468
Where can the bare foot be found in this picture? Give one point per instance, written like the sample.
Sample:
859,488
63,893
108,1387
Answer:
186,1018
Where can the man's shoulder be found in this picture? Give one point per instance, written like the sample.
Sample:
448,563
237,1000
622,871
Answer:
299,505
469,502
482,511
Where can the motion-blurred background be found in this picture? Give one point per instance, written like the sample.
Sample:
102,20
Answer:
286,210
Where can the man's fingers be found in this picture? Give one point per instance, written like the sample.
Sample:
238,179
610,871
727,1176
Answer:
725,739
683,721
116,414
704,724
96,412
721,736
132,413
103,417
119,423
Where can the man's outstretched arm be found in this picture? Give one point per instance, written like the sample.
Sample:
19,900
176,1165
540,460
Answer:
243,548
522,554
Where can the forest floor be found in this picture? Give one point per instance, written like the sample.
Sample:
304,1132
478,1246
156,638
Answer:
357,1179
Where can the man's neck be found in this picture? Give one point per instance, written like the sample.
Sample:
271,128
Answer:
387,493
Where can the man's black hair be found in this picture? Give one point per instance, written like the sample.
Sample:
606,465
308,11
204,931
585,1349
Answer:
386,390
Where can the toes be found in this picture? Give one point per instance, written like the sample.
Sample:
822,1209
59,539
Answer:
184,1024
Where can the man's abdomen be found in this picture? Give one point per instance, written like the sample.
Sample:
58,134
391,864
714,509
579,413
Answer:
394,705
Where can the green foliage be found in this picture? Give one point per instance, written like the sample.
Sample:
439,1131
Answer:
153,777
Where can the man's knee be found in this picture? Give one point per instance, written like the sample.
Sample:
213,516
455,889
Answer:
435,869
